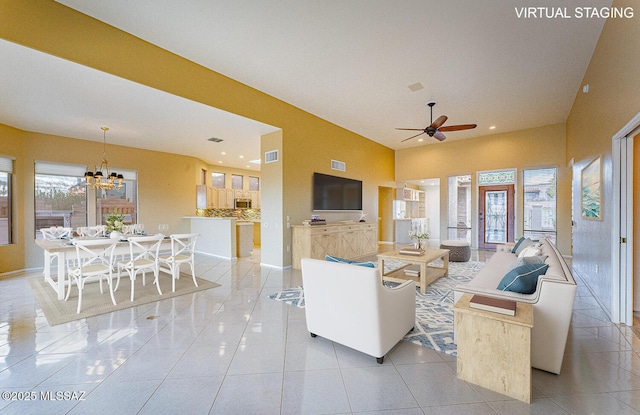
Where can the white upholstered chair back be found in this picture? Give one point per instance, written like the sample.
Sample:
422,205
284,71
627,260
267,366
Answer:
348,304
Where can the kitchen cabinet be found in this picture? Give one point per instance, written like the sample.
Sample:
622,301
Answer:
241,194
255,199
206,197
201,196
408,194
225,198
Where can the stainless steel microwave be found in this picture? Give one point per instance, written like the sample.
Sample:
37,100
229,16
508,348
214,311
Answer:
242,204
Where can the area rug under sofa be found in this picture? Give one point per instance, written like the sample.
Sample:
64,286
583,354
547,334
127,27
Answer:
434,309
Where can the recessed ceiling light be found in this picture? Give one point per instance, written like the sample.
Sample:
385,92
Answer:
220,162
493,127
421,139
223,153
257,161
241,157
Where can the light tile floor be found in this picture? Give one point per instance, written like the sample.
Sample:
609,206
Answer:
231,350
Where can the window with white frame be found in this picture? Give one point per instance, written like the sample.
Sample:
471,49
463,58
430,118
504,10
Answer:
254,183
60,196
6,173
124,200
540,191
217,180
237,181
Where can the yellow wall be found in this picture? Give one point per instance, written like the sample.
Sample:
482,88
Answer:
12,145
308,142
536,147
612,101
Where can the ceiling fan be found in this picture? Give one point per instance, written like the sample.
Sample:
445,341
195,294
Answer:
435,129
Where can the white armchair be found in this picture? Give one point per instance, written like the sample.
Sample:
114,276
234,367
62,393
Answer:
349,305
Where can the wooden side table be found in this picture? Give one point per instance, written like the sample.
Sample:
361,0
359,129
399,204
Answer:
494,350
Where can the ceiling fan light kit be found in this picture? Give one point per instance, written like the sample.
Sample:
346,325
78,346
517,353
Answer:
435,129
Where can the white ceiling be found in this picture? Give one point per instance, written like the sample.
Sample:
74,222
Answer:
348,61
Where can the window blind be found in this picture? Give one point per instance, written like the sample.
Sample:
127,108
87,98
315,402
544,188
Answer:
60,169
6,164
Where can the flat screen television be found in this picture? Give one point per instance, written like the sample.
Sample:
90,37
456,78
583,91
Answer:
336,193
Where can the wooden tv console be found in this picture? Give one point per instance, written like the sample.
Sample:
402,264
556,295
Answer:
345,240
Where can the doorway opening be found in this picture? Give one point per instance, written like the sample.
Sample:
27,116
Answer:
625,271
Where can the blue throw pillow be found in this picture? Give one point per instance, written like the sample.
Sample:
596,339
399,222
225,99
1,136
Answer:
523,279
350,262
513,250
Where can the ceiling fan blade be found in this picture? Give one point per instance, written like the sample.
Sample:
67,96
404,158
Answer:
458,127
439,136
411,129
439,121
414,136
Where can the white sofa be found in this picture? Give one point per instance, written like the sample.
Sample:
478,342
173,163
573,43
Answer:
552,301
349,305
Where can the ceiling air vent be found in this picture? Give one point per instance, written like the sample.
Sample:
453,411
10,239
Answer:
338,165
215,139
271,156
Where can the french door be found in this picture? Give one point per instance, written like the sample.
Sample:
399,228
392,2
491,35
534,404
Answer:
495,215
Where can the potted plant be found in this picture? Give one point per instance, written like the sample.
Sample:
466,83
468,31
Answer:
114,224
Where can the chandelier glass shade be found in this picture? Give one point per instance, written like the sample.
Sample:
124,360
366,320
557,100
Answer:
103,178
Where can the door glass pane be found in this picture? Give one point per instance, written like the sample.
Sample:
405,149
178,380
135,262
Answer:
495,216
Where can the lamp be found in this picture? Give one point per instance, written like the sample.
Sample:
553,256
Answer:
97,180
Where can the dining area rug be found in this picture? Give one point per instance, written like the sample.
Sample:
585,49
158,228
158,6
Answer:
434,309
94,303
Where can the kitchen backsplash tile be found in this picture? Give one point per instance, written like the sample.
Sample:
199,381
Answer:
244,214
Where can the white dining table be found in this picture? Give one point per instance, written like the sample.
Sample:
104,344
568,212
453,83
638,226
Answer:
64,250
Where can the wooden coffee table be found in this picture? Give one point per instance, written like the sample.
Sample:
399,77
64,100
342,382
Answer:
428,274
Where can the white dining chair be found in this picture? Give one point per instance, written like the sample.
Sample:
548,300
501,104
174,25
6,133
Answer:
92,231
182,252
95,261
143,257
56,232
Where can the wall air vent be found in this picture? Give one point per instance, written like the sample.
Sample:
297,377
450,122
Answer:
215,139
271,156
338,165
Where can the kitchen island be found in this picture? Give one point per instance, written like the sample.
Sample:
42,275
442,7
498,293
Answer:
217,236
244,237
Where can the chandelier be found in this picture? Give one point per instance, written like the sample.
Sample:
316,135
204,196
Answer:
98,180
